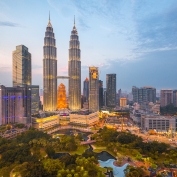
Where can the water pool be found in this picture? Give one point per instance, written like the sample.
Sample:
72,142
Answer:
117,171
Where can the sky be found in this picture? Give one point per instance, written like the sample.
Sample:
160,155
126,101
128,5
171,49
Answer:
136,39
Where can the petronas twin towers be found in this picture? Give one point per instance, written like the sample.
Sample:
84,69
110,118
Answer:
50,70
74,71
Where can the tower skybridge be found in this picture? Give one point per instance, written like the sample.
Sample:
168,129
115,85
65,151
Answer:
62,77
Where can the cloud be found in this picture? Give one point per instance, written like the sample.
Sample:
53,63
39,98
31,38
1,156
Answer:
157,69
10,24
83,24
157,29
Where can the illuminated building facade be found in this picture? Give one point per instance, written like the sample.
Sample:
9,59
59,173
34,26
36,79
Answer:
46,122
61,99
21,62
15,105
49,70
123,102
93,89
86,89
110,90
74,71
84,120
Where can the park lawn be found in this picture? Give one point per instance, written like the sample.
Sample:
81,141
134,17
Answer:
99,149
80,150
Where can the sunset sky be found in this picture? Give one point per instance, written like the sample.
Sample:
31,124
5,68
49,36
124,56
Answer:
136,39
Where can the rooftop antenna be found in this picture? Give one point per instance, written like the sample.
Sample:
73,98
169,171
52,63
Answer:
74,20
49,15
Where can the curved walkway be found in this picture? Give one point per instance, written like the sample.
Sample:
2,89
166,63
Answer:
13,133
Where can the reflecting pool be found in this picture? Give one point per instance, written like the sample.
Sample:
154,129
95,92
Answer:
117,171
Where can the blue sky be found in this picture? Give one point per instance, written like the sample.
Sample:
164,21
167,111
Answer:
136,39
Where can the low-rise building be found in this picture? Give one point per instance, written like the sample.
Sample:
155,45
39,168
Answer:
136,116
156,108
46,122
158,123
84,120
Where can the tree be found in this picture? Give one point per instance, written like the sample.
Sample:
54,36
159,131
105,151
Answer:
131,171
52,166
20,125
119,159
5,171
153,166
159,175
50,151
168,110
69,159
30,169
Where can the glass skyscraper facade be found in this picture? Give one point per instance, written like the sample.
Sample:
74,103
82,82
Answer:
21,59
100,85
144,94
49,70
93,89
34,98
110,90
15,105
86,89
74,71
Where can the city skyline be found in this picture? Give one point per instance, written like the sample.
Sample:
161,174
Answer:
136,37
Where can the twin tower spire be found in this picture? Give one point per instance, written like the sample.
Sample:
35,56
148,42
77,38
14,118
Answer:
50,70
49,23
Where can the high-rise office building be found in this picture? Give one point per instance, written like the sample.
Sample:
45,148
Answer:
49,70
144,94
22,75
135,93
100,85
110,90
120,93
175,98
104,96
166,97
93,89
21,62
35,98
15,105
118,96
86,89
74,71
